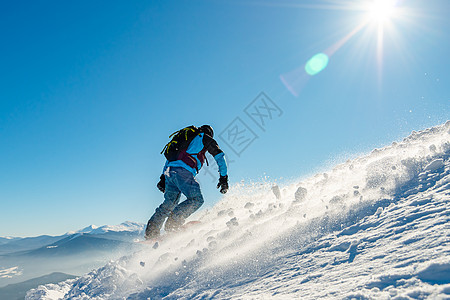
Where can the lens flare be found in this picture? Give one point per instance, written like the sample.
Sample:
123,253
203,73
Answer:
316,64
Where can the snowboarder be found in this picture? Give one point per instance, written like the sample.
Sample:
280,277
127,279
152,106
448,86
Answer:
185,155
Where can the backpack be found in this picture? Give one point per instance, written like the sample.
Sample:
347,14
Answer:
179,142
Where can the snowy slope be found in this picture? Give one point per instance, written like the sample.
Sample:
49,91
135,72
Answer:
376,227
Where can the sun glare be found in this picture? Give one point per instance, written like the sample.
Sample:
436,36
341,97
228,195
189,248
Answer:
376,25
381,10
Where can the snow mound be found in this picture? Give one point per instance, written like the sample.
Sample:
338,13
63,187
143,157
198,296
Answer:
373,227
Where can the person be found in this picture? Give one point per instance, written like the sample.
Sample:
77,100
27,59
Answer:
178,177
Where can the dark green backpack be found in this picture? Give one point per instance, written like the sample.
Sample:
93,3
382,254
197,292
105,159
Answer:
180,141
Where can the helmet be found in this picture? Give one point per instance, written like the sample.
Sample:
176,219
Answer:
207,129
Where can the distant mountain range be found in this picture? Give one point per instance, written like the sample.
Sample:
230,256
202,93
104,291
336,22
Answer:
76,252
125,232
5,240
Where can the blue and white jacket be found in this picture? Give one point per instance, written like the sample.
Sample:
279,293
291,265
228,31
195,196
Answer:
201,142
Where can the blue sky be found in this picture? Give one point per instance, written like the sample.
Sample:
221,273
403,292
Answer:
89,93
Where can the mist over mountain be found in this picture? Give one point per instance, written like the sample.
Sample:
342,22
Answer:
18,291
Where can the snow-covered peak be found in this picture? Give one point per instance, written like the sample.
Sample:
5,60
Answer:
88,229
127,226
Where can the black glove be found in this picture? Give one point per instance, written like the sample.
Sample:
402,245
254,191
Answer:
223,184
162,184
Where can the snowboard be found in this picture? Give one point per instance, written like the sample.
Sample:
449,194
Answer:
164,236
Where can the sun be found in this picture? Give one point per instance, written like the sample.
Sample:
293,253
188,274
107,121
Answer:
381,10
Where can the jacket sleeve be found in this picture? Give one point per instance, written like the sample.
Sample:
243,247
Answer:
165,167
213,148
